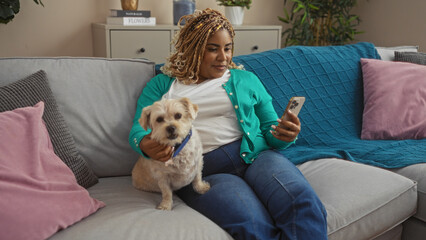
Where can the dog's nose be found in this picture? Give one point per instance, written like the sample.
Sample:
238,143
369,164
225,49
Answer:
171,129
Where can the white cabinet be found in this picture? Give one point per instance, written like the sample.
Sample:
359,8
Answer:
153,42
133,44
251,39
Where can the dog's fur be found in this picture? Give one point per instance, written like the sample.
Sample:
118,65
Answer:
171,121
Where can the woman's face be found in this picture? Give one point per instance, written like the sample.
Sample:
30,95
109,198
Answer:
217,56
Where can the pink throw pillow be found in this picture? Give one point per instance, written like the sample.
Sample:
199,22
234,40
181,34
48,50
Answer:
394,100
39,194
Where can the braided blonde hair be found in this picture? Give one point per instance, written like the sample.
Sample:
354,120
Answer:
190,42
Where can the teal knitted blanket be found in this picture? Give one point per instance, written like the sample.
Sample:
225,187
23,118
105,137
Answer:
331,80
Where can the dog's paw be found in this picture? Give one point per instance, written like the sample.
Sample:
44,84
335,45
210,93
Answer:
202,187
164,206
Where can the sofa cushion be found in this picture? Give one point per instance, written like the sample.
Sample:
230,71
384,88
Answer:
412,57
97,98
31,90
39,193
388,53
132,214
331,80
417,172
393,94
361,201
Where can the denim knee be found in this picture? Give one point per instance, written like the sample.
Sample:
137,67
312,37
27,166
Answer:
233,205
291,201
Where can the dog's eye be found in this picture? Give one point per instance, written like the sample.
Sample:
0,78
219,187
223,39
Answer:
160,119
178,116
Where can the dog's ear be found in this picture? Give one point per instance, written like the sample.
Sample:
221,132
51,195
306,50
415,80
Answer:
144,120
190,107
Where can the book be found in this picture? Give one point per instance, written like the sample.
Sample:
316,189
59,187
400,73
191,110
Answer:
130,13
132,21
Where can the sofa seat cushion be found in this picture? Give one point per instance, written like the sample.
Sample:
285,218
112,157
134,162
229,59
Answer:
417,172
362,202
97,98
131,214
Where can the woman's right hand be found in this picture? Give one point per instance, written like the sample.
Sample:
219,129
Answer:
155,150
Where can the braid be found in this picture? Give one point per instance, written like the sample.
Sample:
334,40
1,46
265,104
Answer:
190,43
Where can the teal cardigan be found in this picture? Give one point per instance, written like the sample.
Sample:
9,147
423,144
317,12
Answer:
252,104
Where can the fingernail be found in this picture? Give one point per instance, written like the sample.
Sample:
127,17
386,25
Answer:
279,120
273,126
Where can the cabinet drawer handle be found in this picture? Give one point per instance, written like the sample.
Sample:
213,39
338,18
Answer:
255,48
142,50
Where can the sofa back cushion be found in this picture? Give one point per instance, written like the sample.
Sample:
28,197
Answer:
388,53
97,98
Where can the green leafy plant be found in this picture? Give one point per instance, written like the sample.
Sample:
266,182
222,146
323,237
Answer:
230,3
320,22
9,8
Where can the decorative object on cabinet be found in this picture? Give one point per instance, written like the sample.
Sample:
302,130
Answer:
131,17
132,21
153,43
230,3
130,13
234,10
235,15
129,4
182,8
320,23
8,9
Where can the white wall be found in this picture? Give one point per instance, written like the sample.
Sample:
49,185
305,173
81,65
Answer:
393,22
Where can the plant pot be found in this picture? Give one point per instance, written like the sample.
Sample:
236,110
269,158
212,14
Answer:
235,14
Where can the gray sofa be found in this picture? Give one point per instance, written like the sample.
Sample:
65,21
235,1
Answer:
362,201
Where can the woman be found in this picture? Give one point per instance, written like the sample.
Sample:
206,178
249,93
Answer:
256,193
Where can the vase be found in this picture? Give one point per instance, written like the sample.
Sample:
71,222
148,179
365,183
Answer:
182,8
129,4
235,14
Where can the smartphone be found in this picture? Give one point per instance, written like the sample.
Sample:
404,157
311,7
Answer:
294,105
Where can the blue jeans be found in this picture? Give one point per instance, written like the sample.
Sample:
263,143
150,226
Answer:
269,199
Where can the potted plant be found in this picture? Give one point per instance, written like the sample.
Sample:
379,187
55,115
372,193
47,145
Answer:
234,9
9,8
320,22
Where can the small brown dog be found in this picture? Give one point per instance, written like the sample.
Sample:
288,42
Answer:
171,124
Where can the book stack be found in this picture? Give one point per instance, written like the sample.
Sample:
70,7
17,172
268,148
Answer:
131,17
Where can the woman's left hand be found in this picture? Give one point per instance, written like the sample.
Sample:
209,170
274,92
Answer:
287,130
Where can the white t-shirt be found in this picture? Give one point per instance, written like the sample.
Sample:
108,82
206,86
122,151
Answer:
216,121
